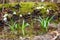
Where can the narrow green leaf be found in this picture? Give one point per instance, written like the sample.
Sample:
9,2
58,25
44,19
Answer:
51,18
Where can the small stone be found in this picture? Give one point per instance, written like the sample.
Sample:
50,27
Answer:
36,38
26,39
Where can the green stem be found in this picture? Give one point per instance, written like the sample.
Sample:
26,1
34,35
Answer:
23,32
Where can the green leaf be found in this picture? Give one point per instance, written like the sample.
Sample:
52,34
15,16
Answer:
26,24
51,18
16,26
12,27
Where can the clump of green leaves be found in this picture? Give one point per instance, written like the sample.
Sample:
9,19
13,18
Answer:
23,26
16,26
44,23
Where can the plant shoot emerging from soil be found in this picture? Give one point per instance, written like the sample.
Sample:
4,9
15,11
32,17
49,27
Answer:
16,26
45,22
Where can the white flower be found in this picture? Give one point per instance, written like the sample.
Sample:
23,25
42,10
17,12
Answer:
38,7
47,10
27,24
20,15
14,12
29,13
5,19
5,15
42,7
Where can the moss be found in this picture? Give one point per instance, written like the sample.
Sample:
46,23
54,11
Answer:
29,6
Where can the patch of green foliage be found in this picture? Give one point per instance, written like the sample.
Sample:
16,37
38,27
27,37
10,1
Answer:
44,23
16,26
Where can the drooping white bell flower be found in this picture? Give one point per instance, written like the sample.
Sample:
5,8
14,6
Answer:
14,12
20,15
47,10
5,15
27,24
42,7
38,7
29,13
5,19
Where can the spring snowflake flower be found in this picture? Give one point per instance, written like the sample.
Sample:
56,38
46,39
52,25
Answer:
5,15
42,7
20,15
29,13
47,10
14,12
38,7
27,24
5,19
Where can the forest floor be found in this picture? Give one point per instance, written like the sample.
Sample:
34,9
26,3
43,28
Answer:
51,35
